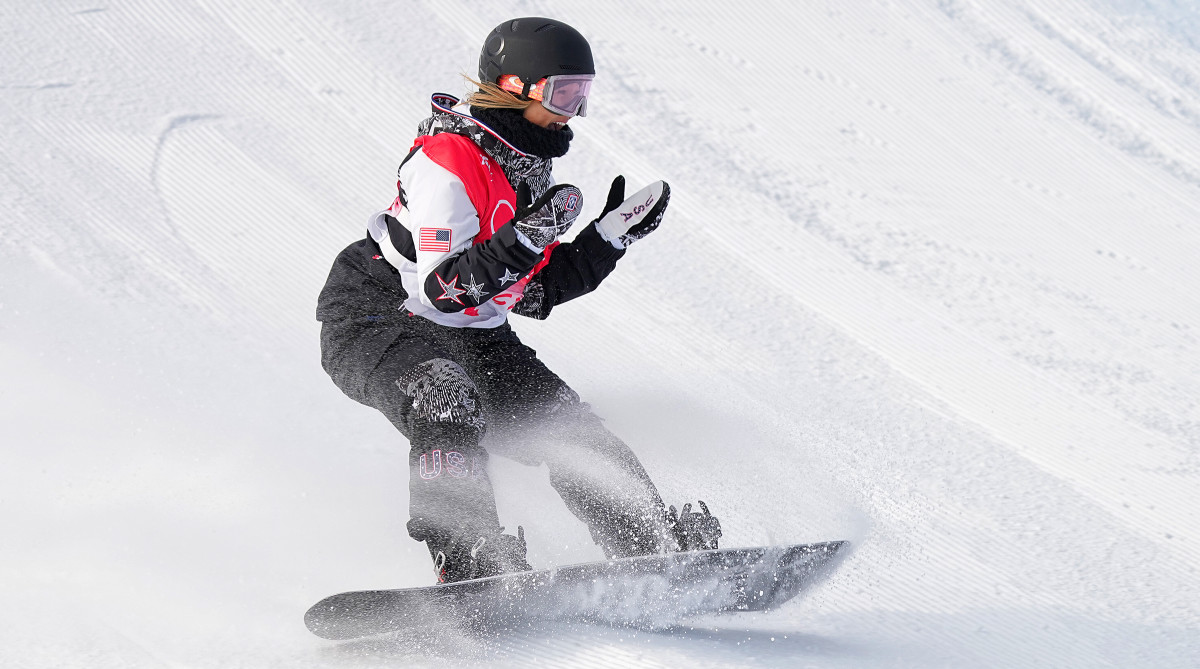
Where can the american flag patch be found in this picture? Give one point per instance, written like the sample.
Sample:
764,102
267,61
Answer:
434,239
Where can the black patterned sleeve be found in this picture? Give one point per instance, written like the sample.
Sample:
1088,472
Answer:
575,268
480,271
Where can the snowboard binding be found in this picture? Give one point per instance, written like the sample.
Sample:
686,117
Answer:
484,556
695,531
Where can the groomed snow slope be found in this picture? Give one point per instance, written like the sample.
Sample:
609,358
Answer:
928,282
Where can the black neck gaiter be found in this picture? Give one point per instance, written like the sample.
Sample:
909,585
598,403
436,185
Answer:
528,137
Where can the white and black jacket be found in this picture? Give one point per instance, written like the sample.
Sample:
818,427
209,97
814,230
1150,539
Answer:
461,269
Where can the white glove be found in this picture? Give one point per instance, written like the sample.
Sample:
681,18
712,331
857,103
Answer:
626,220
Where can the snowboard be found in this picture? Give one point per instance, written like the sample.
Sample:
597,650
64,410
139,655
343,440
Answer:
653,591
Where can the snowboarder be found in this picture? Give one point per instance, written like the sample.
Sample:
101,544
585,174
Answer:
414,316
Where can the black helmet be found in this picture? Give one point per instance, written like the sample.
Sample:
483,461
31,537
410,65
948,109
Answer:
533,48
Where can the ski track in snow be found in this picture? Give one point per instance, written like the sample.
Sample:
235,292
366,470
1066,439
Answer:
926,284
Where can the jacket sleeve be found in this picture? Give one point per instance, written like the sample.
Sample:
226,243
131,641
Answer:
575,268
453,272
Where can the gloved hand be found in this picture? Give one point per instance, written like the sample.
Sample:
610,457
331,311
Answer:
626,220
550,217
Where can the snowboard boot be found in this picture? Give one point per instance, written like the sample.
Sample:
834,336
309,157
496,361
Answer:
695,531
479,557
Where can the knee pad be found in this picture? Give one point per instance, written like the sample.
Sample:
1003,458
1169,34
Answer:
441,392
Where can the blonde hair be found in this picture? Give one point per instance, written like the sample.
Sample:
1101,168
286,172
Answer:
491,96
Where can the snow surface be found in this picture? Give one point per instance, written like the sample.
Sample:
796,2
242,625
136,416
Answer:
928,282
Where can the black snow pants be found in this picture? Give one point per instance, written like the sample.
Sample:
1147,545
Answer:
447,388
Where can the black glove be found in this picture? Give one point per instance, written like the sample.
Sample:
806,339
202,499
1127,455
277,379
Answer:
550,217
626,220
695,531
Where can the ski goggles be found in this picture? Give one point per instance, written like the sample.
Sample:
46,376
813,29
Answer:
564,94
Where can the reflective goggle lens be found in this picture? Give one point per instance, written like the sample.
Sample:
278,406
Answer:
564,94
567,94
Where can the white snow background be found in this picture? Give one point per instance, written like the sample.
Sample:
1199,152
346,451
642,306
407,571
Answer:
928,281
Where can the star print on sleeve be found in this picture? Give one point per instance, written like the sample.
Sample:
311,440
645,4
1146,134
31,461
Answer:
450,290
478,276
476,291
509,277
